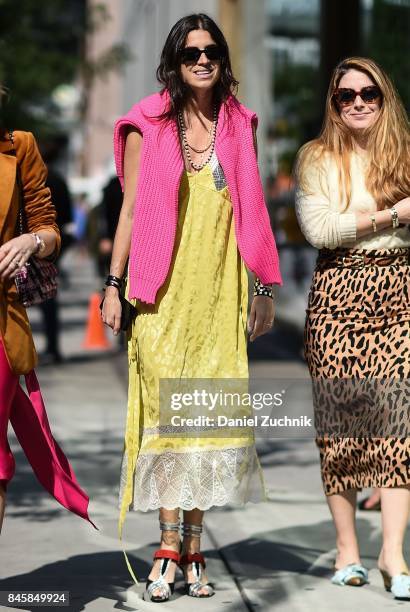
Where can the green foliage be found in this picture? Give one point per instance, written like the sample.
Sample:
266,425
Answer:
389,43
295,95
295,87
41,47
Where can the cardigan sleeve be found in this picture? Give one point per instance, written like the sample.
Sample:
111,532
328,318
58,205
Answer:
321,225
38,207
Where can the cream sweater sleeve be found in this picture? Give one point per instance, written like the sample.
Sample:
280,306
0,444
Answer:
319,219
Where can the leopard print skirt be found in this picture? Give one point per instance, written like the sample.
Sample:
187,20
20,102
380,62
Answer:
357,347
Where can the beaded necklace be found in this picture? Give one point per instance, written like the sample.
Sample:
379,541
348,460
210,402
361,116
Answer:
186,146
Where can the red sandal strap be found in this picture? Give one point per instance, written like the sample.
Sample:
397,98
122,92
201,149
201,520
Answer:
167,554
194,558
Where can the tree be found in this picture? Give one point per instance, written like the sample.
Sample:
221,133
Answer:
41,48
389,43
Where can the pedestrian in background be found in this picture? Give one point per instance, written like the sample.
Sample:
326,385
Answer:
17,353
105,220
189,152
353,204
60,195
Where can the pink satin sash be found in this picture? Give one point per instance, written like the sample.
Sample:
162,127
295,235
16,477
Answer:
28,417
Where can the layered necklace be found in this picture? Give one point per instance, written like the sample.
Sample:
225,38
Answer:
187,146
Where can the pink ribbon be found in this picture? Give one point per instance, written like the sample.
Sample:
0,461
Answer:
29,420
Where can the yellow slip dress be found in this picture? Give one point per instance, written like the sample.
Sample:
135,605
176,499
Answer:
195,329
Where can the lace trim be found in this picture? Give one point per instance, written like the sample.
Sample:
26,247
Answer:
199,479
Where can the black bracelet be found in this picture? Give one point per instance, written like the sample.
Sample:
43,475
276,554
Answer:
261,289
111,277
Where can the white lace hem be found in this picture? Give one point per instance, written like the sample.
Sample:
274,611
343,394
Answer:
199,479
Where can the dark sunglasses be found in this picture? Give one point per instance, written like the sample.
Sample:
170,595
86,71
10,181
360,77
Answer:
345,96
192,54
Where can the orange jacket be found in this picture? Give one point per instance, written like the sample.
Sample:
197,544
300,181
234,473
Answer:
15,329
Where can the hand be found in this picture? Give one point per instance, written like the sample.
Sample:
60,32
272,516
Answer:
15,253
403,210
261,316
111,310
105,246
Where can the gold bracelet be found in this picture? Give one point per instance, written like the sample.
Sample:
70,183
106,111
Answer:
373,219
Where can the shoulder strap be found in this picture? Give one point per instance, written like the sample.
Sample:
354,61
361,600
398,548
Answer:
21,216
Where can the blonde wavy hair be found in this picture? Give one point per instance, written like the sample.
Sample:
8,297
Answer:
387,176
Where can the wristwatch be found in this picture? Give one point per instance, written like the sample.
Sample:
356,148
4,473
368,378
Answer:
40,244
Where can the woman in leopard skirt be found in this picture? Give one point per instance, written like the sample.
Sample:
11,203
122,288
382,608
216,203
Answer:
353,204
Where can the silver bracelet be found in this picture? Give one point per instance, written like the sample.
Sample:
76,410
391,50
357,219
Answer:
373,219
394,217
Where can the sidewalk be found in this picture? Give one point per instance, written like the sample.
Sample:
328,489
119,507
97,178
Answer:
272,556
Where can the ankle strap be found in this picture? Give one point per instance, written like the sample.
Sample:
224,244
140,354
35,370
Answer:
167,554
188,529
192,558
169,526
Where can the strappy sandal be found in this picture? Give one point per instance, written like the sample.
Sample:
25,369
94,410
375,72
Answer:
198,563
165,588
353,574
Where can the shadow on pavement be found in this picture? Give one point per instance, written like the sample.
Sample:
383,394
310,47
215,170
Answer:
93,576
265,562
86,577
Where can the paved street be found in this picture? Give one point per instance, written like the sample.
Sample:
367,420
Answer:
272,556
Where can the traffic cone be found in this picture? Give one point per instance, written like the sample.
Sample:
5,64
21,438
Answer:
95,337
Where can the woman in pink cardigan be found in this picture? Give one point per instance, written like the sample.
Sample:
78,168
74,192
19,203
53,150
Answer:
193,216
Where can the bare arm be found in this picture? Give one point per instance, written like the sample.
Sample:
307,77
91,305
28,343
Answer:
262,311
17,251
121,249
382,218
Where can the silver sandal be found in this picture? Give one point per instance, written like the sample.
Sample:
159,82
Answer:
166,589
198,562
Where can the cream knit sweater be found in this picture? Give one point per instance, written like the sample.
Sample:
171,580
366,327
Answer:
319,210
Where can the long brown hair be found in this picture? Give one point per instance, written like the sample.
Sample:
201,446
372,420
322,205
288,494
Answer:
387,176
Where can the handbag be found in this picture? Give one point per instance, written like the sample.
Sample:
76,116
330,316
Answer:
128,310
36,281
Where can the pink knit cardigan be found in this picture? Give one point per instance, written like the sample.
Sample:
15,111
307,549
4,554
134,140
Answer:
156,206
